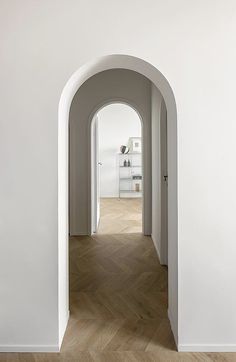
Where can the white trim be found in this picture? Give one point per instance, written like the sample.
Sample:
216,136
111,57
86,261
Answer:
64,330
173,327
29,348
163,263
207,347
157,250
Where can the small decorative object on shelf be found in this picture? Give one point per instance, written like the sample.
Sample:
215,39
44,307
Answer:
124,149
125,163
129,163
137,177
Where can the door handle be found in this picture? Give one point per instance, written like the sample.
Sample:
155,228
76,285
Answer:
99,163
165,178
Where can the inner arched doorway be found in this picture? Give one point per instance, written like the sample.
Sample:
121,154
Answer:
117,178
75,82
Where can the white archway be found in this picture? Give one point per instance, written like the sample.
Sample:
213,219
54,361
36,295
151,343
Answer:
77,79
93,184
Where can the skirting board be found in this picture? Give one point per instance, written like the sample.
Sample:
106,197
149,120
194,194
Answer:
30,348
34,348
207,347
173,328
157,250
64,330
200,347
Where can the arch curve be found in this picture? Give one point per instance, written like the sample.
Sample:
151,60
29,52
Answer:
108,62
98,107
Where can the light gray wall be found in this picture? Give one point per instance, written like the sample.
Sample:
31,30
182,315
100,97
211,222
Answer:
104,87
42,44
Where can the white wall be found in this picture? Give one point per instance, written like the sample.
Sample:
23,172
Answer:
103,88
191,43
116,123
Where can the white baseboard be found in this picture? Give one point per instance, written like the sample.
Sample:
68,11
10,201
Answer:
157,250
64,330
29,348
34,348
162,262
207,347
182,347
173,327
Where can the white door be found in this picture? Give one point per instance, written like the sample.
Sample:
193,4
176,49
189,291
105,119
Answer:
164,187
98,172
95,176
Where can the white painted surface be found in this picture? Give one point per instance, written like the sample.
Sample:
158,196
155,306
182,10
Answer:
104,88
159,170
42,44
30,348
98,174
116,123
95,175
164,184
207,348
156,168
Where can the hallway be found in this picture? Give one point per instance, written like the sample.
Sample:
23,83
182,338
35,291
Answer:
118,289
118,297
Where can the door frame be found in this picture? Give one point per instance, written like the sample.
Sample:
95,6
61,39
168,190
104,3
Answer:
146,164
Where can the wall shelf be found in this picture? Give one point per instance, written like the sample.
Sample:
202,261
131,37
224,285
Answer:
130,177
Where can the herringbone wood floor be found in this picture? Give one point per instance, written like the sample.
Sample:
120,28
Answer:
120,216
118,303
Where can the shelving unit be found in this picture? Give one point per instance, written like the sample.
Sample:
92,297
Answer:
130,177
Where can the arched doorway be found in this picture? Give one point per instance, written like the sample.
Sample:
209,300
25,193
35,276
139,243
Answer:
75,82
117,178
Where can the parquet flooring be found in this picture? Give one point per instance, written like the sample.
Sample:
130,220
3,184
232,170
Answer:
118,295
120,216
118,304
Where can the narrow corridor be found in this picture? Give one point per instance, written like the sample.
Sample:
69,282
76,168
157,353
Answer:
118,293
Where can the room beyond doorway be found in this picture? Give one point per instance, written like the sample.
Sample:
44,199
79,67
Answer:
117,169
